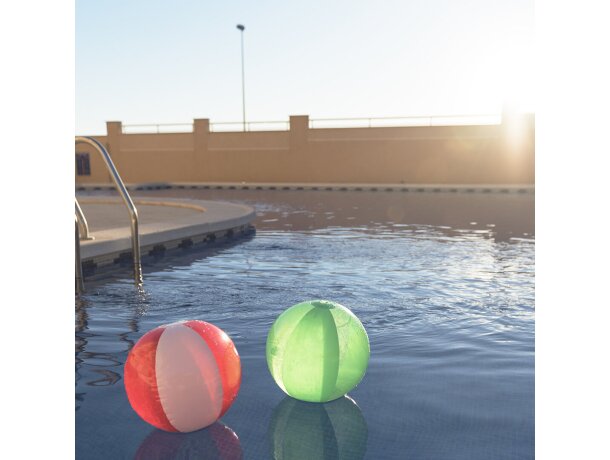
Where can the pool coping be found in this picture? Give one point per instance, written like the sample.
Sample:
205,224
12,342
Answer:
452,188
111,248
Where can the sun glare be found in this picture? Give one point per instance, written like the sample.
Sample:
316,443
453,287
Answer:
508,79
517,85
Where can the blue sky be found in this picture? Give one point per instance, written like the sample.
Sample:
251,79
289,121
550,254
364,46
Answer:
172,61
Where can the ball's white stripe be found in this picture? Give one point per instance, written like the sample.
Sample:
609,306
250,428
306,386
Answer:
189,383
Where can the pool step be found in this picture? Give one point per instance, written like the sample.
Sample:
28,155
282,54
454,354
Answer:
102,265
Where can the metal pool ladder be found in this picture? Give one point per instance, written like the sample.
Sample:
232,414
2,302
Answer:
79,217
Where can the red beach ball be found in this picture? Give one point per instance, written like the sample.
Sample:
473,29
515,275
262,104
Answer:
183,376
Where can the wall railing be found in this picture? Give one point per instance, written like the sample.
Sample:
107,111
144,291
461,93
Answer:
236,126
319,123
158,128
411,121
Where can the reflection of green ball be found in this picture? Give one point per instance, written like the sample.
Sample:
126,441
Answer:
331,431
317,351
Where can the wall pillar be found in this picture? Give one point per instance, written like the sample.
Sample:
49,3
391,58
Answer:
299,133
114,133
515,131
299,161
517,145
201,135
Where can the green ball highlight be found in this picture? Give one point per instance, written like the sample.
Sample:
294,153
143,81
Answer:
317,351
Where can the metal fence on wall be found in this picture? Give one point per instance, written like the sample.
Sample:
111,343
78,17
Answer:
319,123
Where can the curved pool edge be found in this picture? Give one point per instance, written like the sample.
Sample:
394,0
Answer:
111,247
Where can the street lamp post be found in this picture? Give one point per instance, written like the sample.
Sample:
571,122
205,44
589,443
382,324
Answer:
243,78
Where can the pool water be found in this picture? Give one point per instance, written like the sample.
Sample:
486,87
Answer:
442,282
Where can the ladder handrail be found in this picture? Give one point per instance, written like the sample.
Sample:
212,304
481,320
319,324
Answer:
80,287
82,221
133,212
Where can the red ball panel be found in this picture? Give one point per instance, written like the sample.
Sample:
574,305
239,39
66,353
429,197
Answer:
141,381
226,356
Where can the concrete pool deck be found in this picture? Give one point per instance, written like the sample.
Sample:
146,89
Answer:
164,224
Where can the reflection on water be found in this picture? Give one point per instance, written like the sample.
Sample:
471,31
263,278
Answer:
334,430
216,442
103,366
499,216
81,318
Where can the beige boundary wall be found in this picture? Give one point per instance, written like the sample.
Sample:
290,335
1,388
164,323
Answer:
482,154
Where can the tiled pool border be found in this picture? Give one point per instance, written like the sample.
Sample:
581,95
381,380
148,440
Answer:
406,188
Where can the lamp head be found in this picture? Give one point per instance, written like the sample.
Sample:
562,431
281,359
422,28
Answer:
240,27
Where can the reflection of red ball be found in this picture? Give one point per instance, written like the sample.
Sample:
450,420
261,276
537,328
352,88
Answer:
215,442
182,376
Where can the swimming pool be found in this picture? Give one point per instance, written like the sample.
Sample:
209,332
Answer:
443,283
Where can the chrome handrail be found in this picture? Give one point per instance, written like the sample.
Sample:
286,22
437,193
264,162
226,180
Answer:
133,212
80,287
82,222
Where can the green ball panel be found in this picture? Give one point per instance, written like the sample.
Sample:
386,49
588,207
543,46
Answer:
317,351
312,377
355,350
281,330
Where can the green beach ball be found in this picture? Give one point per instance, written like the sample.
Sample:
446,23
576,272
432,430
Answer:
317,351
